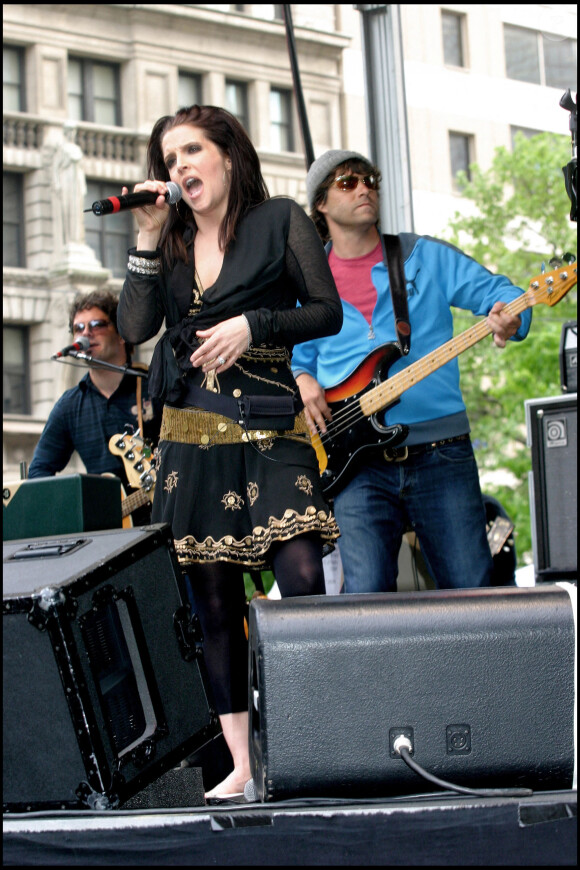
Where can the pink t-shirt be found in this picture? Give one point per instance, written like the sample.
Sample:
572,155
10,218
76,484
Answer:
353,279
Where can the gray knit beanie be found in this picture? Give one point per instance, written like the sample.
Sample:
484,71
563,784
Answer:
323,166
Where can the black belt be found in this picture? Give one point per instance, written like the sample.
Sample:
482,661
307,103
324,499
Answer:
399,454
251,412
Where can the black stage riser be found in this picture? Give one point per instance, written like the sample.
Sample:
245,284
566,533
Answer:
482,679
104,682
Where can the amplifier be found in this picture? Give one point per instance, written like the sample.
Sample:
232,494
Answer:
67,503
552,426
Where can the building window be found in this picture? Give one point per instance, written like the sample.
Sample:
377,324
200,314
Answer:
13,73
271,11
453,38
560,61
461,154
237,101
540,58
189,89
16,384
13,220
522,59
281,133
109,237
94,92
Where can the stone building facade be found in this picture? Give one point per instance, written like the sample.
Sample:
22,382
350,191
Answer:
83,85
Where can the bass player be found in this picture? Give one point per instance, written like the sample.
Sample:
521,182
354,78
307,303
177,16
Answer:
429,482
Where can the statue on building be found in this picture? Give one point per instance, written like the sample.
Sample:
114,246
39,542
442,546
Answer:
62,157
69,188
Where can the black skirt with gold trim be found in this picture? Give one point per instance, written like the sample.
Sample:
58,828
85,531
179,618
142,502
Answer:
228,492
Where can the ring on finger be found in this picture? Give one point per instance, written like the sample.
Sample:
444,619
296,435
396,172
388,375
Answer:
221,360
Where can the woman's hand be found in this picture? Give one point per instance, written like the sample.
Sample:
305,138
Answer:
316,409
221,345
150,218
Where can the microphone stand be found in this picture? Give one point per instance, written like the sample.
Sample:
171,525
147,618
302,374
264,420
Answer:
300,104
126,370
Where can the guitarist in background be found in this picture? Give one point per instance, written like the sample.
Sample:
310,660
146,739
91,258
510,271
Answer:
429,481
101,405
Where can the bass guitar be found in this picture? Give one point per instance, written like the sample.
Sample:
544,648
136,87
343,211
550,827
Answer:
355,402
139,470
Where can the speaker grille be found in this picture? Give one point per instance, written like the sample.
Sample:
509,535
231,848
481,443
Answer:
115,678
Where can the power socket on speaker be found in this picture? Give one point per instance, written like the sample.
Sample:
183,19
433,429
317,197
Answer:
395,734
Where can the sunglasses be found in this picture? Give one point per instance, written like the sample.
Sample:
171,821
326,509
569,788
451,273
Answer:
93,325
350,182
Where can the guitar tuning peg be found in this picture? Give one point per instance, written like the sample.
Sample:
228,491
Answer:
543,269
569,258
555,262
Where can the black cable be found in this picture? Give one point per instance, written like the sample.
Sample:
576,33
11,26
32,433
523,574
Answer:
478,792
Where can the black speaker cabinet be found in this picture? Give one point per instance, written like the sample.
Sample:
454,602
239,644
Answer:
104,681
552,425
480,681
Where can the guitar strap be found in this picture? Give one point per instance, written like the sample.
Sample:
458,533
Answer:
393,259
139,396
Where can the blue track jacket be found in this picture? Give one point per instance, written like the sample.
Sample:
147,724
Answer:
438,276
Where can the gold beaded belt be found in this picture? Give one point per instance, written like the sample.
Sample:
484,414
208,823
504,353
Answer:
192,426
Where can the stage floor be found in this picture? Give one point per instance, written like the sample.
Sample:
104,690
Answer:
425,830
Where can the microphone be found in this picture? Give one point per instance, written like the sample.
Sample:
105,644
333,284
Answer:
114,204
82,343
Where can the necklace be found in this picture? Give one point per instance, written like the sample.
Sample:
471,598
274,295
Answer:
210,382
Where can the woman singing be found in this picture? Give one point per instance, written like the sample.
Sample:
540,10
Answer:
238,478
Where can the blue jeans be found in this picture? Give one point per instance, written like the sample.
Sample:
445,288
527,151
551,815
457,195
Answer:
435,493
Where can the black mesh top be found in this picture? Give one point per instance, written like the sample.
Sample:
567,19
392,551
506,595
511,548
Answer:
275,261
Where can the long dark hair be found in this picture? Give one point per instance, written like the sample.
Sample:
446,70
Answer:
247,186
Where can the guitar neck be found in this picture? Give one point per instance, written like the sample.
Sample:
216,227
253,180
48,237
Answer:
390,390
134,501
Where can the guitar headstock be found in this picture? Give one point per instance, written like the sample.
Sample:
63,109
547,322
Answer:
550,287
136,455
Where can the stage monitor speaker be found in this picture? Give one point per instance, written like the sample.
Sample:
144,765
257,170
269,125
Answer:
480,680
61,505
569,357
103,678
552,427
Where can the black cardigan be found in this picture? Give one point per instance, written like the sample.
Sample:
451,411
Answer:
275,261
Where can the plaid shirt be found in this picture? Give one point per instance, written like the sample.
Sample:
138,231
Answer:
84,420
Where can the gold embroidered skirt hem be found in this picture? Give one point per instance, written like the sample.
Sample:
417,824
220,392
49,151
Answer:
251,552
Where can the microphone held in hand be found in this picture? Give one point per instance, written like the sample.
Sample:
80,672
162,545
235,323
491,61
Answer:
81,343
114,204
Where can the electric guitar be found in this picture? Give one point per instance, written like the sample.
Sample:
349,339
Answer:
139,470
355,402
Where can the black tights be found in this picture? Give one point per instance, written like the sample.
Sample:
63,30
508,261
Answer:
220,602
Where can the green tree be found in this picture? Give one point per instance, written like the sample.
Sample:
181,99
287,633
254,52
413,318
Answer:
519,226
